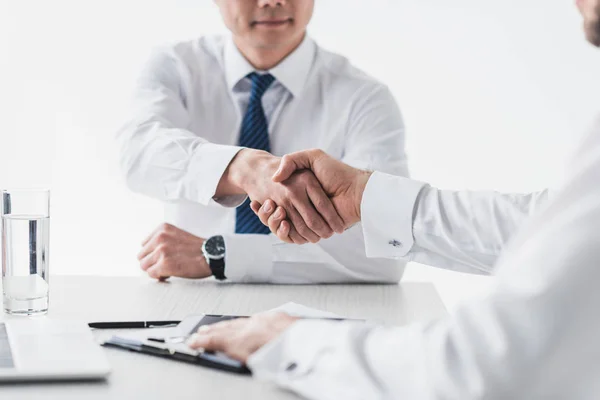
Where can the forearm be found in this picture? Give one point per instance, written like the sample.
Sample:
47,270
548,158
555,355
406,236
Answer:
468,230
160,155
169,163
240,174
457,230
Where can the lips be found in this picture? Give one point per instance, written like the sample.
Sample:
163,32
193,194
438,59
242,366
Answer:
273,22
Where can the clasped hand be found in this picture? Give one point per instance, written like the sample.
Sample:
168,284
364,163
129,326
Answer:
343,185
300,196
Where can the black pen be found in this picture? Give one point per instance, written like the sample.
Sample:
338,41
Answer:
131,324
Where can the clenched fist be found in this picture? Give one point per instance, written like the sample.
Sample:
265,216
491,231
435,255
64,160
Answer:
170,251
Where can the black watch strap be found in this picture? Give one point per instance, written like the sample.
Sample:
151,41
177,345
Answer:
217,267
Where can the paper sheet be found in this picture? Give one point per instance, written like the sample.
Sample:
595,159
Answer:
299,310
180,332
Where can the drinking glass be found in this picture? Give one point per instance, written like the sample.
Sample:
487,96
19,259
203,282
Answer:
25,251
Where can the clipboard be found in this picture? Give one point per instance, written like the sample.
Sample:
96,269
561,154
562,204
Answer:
171,344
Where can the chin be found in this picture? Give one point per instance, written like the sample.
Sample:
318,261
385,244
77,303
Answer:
271,42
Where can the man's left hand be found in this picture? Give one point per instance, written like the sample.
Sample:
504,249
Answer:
170,251
240,338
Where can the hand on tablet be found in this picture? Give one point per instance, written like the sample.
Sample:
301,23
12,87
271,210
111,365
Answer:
240,338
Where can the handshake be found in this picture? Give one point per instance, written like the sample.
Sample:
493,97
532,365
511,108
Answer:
303,197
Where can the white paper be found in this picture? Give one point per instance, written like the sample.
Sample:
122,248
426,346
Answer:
299,310
291,308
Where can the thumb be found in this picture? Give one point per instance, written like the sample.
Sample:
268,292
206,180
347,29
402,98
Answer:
290,163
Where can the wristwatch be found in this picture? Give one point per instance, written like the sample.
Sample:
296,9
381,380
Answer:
214,252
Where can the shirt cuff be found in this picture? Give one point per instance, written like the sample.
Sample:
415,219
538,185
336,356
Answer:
308,354
248,258
387,215
295,352
207,167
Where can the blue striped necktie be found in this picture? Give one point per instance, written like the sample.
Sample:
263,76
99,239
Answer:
255,135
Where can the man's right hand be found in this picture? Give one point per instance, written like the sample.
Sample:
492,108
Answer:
170,251
342,183
309,209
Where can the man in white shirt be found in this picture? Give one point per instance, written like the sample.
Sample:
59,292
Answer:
210,114
535,335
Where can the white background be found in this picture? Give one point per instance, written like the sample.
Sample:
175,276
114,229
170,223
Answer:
494,94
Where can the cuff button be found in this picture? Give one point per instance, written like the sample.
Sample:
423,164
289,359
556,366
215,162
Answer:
395,243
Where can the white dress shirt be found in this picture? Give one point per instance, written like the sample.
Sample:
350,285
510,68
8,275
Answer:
185,124
535,335
462,231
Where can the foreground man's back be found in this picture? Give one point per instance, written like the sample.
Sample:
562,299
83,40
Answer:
535,335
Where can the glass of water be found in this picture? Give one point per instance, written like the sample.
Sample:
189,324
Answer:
25,246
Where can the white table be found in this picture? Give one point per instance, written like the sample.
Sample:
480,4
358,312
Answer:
145,377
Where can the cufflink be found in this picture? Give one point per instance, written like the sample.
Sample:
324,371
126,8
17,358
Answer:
291,366
395,243
295,370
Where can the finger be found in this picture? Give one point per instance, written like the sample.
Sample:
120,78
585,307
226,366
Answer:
222,337
275,222
295,237
313,220
300,226
220,342
212,340
275,219
223,325
149,260
156,266
325,207
163,234
164,227
291,163
255,206
150,236
219,330
148,248
157,272
266,211
283,233
160,235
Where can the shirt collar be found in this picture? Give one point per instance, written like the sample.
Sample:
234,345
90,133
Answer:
292,72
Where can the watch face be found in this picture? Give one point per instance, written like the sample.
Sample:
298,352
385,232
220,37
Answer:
215,246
